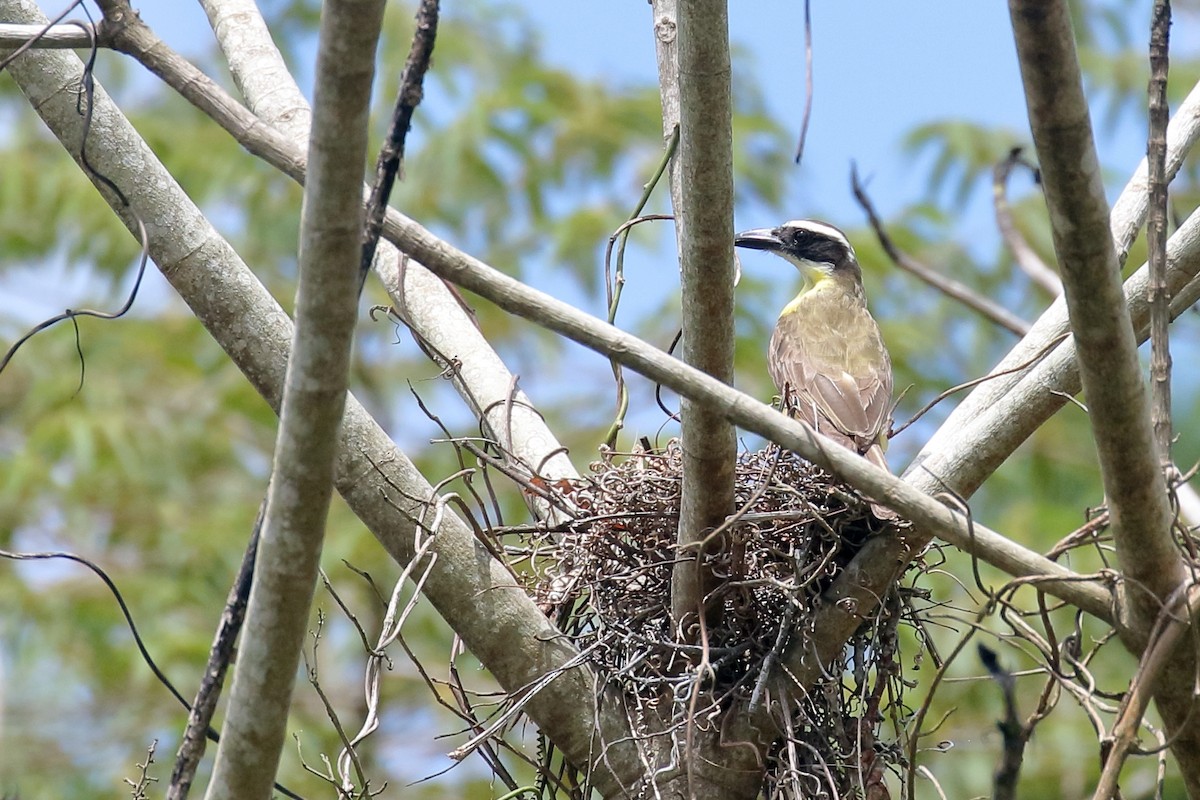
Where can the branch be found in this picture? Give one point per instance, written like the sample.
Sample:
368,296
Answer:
964,294
975,448
1028,260
1013,734
78,36
257,68
742,409
220,656
1131,208
1156,233
314,399
1127,216
497,621
1103,334
694,79
391,155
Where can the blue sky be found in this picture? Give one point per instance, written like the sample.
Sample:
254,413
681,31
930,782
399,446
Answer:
880,68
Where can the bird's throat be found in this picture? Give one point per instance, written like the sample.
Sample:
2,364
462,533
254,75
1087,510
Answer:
821,291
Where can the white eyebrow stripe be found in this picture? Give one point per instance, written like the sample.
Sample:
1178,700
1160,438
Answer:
822,228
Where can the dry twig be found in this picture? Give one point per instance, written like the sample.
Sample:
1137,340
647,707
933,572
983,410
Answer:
947,286
1027,259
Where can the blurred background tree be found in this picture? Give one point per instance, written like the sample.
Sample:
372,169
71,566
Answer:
154,460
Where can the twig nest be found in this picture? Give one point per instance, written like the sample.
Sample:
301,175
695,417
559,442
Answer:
607,579
610,573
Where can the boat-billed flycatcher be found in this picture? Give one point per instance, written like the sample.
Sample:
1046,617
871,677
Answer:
827,357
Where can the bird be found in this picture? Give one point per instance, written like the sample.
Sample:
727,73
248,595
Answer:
827,356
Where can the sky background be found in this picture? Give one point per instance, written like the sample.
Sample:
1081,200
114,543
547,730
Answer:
880,69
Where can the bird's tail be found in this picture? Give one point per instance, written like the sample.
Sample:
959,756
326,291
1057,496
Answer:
875,455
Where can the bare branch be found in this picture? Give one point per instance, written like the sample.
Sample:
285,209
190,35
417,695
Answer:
808,82
948,286
391,156
1129,212
256,65
57,37
1156,233
1127,216
1012,732
1027,259
1100,321
191,749
1173,622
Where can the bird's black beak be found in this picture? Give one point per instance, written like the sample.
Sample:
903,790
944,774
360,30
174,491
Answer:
758,239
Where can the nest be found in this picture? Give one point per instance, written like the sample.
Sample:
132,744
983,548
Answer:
607,579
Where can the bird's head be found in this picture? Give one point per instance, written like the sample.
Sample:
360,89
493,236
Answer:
818,250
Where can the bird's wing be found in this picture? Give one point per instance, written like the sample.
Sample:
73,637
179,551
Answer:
842,399
854,396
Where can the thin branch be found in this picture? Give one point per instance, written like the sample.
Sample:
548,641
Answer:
808,81
614,284
1156,232
1131,208
948,286
34,33
57,37
1103,333
1025,256
391,156
1012,732
85,104
925,409
145,780
1174,621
